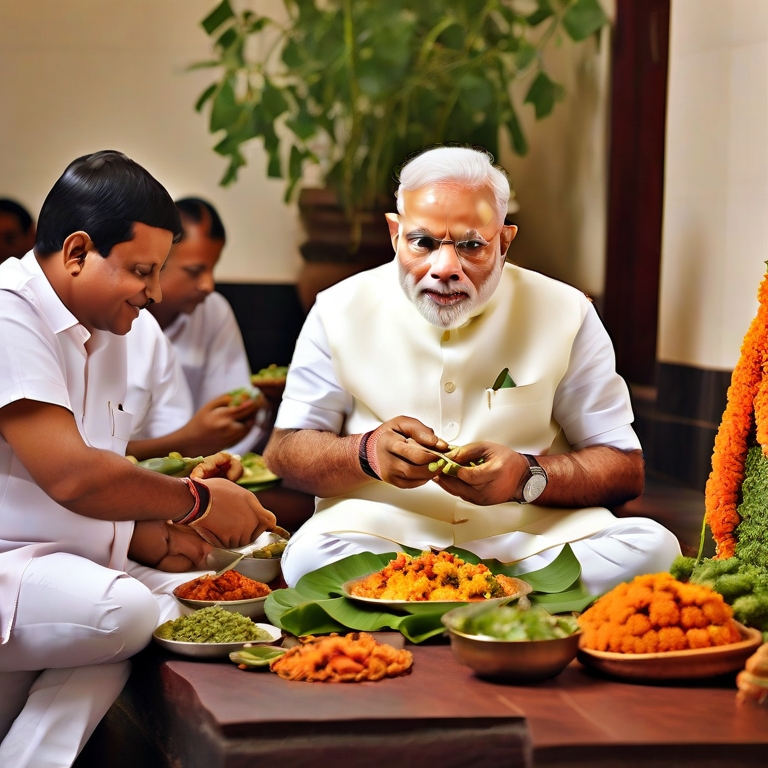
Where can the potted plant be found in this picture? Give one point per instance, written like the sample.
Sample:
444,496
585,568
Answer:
356,86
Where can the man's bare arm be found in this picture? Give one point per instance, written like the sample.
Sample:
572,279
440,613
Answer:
594,476
103,485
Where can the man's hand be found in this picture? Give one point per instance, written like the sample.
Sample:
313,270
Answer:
173,548
494,481
218,425
219,465
236,517
398,457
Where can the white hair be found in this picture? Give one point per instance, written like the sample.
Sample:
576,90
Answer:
447,166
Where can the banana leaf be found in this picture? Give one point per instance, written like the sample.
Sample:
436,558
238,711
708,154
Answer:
315,606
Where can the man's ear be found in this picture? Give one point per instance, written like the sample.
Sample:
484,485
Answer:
506,236
75,249
393,222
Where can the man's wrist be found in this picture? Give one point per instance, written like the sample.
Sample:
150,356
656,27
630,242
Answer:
201,503
363,454
532,483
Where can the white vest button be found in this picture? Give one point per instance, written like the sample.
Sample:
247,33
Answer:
450,386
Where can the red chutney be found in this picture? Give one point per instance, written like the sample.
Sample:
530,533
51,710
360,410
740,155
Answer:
231,585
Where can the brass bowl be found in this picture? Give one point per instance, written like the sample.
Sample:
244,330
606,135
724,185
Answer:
521,661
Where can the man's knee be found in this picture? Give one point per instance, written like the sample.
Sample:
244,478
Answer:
134,617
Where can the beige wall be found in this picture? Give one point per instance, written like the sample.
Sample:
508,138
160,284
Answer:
561,184
715,239
82,75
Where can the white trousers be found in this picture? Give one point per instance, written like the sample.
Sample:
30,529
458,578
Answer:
627,548
77,623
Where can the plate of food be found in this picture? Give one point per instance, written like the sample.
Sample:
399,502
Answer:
656,628
432,582
213,633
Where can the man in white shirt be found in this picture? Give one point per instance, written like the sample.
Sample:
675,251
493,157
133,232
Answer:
73,606
514,366
201,325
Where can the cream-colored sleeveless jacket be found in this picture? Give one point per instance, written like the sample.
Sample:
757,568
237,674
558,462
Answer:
393,362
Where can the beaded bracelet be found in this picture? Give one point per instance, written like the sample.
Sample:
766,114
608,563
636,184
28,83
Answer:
202,506
362,455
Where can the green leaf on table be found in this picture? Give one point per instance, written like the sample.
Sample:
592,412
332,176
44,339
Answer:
316,605
583,18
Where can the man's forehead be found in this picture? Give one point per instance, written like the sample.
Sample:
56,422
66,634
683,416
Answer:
454,207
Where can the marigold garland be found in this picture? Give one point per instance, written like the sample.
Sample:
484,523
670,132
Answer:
747,406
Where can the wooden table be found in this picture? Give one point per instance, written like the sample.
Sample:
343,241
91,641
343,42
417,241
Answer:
176,713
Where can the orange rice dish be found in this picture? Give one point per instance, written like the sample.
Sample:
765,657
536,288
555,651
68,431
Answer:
656,613
231,585
335,659
434,576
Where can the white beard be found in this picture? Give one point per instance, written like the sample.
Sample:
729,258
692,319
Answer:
450,316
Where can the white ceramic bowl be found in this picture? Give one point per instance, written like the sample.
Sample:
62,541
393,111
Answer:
253,608
263,569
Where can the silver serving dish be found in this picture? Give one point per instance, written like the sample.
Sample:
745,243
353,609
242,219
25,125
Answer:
214,650
510,661
258,569
253,608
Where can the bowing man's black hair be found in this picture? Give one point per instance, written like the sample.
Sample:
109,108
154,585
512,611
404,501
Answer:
193,208
104,194
17,210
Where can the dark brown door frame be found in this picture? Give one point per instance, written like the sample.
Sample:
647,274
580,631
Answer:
636,184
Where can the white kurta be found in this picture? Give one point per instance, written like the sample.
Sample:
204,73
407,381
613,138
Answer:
158,395
44,359
210,348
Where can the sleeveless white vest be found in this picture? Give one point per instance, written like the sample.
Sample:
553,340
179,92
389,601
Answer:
393,362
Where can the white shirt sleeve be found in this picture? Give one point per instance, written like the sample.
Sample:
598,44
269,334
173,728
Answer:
592,402
31,368
313,398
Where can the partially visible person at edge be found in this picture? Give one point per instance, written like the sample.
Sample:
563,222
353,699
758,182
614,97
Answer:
17,230
404,358
207,341
76,518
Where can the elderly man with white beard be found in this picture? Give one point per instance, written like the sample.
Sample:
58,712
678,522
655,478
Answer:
450,345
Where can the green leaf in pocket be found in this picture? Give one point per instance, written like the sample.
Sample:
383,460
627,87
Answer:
503,381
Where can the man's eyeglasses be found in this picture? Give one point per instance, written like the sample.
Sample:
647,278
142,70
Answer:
472,249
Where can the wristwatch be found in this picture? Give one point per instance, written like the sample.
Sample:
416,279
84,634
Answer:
532,483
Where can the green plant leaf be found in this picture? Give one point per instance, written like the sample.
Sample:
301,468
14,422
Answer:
583,18
237,161
217,17
543,94
225,110
210,64
544,11
204,96
516,135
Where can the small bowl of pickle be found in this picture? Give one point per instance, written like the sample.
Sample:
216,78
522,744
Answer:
512,642
263,557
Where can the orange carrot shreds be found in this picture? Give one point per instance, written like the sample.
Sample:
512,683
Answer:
656,613
231,585
436,576
342,659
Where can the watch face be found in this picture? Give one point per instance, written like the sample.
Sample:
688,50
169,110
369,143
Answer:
534,487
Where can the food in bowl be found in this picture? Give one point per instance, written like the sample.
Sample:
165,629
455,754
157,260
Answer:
516,623
435,576
655,613
212,625
230,585
272,374
532,645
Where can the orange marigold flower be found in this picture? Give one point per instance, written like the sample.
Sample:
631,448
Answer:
698,638
651,641
663,612
717,610
672,639
691,616
638,624
747,406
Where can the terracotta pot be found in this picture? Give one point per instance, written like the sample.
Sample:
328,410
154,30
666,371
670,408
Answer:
333,251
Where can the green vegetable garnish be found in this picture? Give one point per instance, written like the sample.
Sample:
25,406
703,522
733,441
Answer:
515,623
212,625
